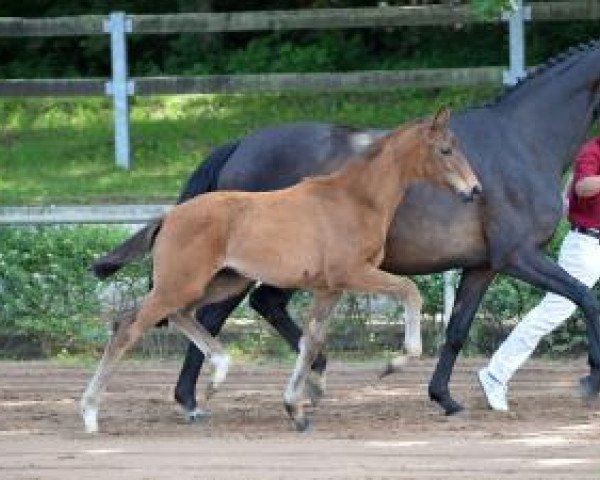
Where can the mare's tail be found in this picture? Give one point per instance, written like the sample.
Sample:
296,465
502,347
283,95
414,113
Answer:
130,250
205,177
203,180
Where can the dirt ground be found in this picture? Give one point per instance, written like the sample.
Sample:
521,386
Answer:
364,429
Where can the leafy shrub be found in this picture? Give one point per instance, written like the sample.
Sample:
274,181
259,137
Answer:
48,297
46,291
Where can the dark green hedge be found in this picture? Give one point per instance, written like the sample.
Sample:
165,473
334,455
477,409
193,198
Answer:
299,51
48,299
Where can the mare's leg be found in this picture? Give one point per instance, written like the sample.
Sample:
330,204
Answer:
271,303
126,333
535,268
212,317
473,284
311,344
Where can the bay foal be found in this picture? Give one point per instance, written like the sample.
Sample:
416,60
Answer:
326,235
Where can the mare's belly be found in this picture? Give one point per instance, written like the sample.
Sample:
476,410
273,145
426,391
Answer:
433,231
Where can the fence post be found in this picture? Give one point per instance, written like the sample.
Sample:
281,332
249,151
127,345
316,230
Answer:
516,35
119,87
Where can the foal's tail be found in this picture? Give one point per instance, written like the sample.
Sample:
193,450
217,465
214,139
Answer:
130,250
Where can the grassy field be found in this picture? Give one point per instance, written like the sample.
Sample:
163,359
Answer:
55,151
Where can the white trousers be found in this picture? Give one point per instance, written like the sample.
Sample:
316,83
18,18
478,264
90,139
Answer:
580,257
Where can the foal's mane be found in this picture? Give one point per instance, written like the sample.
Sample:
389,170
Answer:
548,67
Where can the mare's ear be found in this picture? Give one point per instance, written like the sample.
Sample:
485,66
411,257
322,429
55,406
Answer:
440,121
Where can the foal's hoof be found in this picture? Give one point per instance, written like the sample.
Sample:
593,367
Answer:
302,423
388,370
211,389
90,419
589,392
290,409
314,390
395,365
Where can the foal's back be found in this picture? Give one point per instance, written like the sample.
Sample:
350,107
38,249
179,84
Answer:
280,237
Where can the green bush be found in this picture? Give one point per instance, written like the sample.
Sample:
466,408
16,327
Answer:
47,294
50,299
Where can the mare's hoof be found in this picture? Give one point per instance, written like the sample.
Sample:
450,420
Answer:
589,392
453,408
196,415
448,405
458,416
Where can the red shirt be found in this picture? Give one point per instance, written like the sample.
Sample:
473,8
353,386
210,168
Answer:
585,211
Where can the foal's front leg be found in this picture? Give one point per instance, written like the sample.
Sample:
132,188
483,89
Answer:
369,279
310,345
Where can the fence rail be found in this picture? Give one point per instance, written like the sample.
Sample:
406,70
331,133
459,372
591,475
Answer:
78,214
272,82
371,17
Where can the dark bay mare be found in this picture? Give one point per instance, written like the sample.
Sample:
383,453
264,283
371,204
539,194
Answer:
519,146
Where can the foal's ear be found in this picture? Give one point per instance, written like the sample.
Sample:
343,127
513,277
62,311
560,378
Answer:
440,121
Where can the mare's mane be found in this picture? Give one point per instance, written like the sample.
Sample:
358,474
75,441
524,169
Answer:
365,157
548,67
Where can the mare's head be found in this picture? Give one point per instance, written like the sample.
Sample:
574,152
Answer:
442,162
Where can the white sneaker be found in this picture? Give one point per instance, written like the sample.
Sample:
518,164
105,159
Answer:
495,392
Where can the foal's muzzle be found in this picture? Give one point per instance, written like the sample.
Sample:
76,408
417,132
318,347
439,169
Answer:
470,196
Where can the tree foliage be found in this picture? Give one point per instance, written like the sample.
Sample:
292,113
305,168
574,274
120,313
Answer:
334,50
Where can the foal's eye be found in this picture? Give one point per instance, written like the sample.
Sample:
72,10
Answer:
446,151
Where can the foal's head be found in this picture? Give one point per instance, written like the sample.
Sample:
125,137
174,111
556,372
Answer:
442,162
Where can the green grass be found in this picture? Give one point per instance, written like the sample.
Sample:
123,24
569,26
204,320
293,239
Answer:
57,151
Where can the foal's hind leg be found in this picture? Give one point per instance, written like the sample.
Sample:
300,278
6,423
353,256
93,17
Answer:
209,345
212,317
311,344
224,285
271,303
126,333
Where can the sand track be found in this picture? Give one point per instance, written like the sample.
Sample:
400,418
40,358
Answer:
365,429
